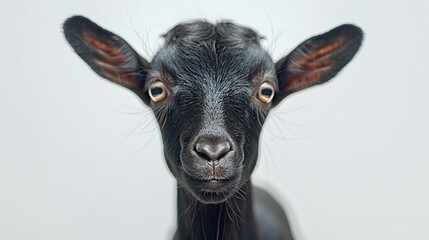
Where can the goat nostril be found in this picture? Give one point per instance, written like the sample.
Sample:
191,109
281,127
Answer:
212,152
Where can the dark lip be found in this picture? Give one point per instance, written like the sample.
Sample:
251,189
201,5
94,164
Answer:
211,190
211,179
210,184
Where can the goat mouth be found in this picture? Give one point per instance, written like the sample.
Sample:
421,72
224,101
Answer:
211,183
211,190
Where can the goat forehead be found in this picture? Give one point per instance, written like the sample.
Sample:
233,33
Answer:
212,59
191,64
209,93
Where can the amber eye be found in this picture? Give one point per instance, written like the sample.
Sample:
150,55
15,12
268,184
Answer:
266,92
157,92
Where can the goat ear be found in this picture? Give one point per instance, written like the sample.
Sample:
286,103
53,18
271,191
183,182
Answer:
317,60
106,53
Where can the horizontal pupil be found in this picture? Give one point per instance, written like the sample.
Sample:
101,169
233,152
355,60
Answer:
156,90
267,91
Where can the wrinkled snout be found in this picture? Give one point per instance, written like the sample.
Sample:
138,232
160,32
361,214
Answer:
211,163
212,157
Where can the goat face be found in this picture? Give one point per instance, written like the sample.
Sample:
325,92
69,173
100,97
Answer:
210,115
211,88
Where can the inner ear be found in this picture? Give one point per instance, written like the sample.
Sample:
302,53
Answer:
107,54
317,60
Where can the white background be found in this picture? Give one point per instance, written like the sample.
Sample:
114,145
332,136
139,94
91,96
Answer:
80,158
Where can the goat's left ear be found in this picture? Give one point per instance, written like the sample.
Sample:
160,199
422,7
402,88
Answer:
317,60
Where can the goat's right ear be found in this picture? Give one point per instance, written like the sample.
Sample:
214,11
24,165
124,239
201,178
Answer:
106,53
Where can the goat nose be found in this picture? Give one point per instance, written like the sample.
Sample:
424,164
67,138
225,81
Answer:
212,151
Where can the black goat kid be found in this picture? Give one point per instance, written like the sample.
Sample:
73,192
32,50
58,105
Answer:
211,88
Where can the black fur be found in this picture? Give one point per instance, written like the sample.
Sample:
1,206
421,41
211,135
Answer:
212,74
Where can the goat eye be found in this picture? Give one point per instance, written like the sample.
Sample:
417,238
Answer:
266,92
157,91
